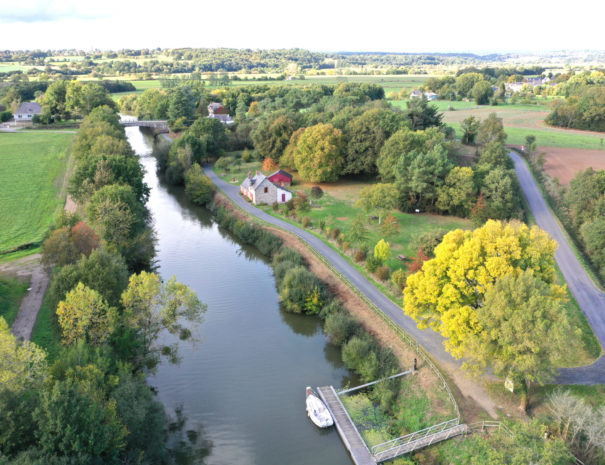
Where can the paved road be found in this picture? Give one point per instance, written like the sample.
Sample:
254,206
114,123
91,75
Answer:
590,299
429,339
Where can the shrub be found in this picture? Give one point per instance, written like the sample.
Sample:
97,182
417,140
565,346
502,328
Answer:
382,250
334,306
198,187
306,221
275,206
267,243
322,224
286,254
224,163
428,241
359,255
301,202
288,206
340,327
372,264
335,233
383,272
246,156
398,278
269,165
317,192
340,239
346,246
297,286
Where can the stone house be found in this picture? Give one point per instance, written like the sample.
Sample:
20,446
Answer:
260,190
27,110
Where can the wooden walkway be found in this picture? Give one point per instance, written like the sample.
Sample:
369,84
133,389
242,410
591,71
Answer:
345,427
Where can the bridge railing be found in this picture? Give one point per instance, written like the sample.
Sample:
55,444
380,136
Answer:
415,436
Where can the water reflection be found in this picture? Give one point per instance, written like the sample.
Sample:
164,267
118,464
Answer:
245,382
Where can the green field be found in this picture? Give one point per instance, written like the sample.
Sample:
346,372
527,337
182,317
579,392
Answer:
31,185
12,292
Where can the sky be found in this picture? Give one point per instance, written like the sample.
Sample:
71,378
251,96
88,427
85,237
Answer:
476,26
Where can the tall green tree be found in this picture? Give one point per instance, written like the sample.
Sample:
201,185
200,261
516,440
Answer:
491,130
380,197
525,332
319,153
459,193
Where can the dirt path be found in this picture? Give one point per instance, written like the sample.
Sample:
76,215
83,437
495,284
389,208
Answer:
27,268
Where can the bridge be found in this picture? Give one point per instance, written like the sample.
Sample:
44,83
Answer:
160,126
360,453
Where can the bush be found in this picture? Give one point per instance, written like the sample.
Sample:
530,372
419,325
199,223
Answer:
297,286
340,327
428,241
275,206
301,202
334,306
306,222
269,165
246,156
317,192
398,278
383,272
198,187
224,163
335,233
372,264
322,224
286,254
5,116
267,243
359,255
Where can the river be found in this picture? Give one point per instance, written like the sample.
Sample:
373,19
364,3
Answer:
243,384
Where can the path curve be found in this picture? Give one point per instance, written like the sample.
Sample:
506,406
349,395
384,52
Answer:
589,297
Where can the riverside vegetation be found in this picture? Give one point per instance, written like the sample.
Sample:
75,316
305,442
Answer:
88,402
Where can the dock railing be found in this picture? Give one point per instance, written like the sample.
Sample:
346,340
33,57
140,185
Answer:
415,436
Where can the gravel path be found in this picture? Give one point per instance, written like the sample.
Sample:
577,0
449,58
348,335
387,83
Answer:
586,293
28,268
589,297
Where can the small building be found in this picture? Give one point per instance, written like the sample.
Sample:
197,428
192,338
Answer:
430,96
260,190
281,178
218,111
215,108
27,110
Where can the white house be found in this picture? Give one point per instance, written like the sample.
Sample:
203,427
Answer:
260,190
27,110
430,96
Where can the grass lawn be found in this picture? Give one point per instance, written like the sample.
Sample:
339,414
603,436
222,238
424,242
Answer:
12,291
337,209
44,333
31,185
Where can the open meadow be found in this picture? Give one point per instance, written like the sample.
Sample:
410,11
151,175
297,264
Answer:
32,191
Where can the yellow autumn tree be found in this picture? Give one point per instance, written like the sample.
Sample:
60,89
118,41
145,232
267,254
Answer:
382,250
84,315
445,294
22,365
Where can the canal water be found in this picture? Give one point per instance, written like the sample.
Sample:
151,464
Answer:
244,384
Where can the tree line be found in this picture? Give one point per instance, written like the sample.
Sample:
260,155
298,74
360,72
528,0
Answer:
87,401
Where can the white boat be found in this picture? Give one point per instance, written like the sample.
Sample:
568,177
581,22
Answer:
317,411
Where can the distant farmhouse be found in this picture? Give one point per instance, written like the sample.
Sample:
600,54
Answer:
217,111
267,189
27,110
430,96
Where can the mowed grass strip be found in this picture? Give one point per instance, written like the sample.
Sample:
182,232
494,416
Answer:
31,180
12,291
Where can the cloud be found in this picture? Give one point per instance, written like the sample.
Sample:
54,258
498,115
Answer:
37,11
